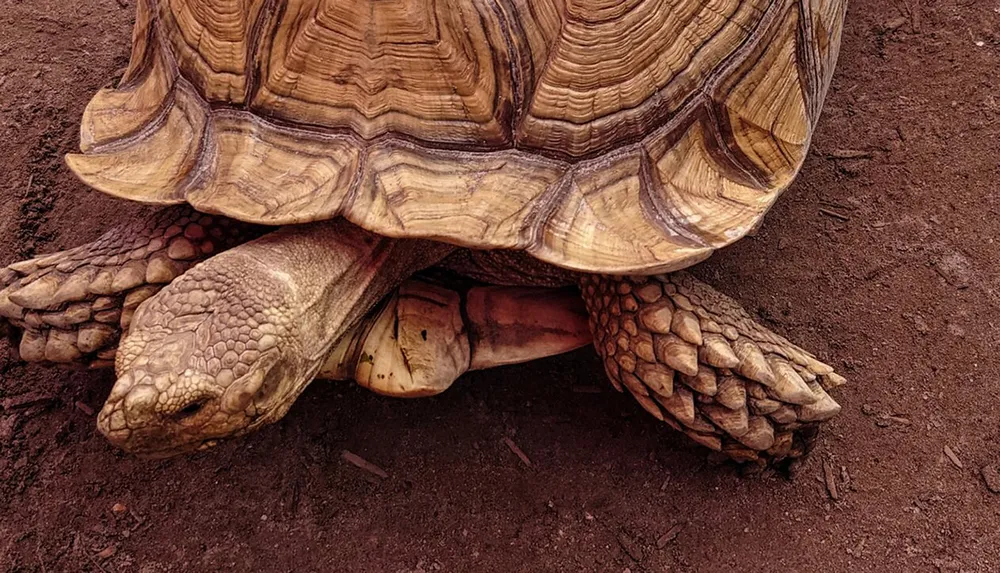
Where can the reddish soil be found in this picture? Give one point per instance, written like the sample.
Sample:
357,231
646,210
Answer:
882,259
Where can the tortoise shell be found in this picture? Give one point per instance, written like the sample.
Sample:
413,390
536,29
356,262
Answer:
613,136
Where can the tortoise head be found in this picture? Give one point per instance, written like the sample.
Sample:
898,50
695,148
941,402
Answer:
199,365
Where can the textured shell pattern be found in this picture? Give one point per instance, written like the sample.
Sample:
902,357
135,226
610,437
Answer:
613,136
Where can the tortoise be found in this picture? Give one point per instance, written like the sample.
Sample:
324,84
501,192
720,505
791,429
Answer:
399,191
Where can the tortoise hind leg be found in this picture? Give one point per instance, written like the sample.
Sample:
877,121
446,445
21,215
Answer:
71,306
427,334
695,359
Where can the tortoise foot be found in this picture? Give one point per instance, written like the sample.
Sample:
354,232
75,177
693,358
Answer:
70,307
694,359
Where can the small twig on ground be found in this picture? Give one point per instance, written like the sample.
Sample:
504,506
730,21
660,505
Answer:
954,459
831,481
834,214
631,548
94,561
139,521
84,408
517,451
107,552
38,553
669,536
835,205
27,400
850,154
361,463
914,16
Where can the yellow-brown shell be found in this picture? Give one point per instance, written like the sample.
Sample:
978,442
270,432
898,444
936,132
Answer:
615,136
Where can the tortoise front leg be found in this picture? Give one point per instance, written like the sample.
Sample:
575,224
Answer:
695,359
71,307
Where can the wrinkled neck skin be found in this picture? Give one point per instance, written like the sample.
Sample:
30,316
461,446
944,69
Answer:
230,345
339,273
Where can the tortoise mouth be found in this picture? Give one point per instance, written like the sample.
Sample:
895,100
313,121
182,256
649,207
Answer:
171,452
155,442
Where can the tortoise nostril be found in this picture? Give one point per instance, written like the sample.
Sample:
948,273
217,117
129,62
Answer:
140,402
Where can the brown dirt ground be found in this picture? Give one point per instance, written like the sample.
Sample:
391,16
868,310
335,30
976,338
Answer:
899,289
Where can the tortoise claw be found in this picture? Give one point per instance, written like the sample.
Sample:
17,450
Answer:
37,294
9,309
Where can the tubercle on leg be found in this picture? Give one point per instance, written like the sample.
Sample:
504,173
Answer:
73,305
694,359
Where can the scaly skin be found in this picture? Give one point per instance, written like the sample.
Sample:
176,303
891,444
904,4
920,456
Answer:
231,344
70,307
695,359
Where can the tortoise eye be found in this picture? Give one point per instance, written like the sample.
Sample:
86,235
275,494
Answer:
191,409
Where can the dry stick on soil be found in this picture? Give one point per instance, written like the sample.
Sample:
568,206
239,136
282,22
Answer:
954,459
108,552
850,154
835,205
364,464
895,24
517,451
94,561
629,546
831,481
26,400
669,536
834,214
914,16
84,408
38,553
